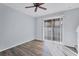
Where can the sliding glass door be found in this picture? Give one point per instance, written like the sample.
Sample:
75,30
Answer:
53,29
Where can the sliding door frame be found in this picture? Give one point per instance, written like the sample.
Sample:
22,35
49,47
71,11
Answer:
61,30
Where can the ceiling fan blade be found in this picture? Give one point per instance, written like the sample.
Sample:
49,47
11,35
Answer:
36,9
29,6
38,3
41,3
43,8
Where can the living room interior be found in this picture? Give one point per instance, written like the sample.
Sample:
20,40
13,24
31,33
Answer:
39,29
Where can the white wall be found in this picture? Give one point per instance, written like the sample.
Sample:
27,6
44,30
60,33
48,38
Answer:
77,30
70,23
39,27
15,27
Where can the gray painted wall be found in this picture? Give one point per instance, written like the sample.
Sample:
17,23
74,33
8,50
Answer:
15,27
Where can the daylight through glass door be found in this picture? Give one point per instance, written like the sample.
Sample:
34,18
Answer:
53,29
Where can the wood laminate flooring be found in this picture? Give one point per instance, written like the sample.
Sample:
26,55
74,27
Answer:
32,48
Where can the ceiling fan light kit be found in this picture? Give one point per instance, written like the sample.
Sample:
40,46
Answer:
37,5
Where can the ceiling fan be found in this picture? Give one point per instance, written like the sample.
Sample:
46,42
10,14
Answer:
37,5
